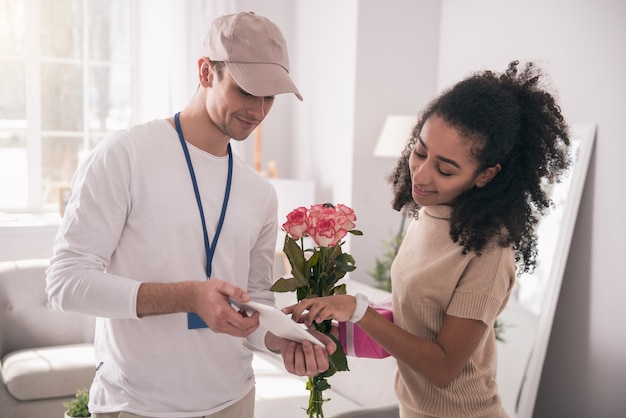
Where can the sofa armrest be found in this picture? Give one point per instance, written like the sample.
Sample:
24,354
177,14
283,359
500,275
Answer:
26,318
48,372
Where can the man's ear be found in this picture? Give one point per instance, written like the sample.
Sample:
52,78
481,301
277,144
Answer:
205,71
487,175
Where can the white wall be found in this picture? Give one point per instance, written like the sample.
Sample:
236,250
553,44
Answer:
396,73
324,64
581,45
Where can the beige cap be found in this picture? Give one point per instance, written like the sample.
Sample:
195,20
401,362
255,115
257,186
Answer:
255,53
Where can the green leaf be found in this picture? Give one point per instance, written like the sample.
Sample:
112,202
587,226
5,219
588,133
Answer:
340,290
330,283
299,268
324,327
292,250
345,263
338,359
313,260
356,232
302,293
322,385
498,327
78,407
286,285
294,253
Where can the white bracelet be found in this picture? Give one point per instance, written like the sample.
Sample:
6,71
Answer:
361,307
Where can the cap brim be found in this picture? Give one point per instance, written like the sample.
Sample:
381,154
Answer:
262,79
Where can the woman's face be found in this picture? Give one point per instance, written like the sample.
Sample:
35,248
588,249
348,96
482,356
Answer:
442,165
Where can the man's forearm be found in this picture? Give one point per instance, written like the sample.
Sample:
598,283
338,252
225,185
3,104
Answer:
166,298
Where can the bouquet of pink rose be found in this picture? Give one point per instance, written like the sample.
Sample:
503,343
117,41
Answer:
316,271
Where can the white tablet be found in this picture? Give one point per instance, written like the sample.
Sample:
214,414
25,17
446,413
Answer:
279,323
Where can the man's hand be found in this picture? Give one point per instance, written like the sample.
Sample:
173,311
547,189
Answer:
208,299
212,304
302,359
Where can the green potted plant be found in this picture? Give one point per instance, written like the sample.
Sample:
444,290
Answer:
78,407
381,271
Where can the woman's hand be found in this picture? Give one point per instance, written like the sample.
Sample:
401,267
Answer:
337,307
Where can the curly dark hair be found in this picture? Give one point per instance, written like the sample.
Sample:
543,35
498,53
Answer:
512,121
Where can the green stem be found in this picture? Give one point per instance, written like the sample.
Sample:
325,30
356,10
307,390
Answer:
316,399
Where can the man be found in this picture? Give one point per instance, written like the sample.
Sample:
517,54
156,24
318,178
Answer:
165,227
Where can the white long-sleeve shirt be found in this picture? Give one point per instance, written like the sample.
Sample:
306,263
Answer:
133,218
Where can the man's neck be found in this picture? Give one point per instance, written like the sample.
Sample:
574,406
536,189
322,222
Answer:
199,131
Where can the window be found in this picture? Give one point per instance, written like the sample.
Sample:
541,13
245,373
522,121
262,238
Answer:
65,83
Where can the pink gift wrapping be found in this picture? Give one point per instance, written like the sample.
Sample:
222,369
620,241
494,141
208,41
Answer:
356,343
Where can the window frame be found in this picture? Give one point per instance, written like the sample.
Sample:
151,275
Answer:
34,134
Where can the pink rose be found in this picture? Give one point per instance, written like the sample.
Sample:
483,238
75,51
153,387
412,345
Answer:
326,232
297,223
318,212
346,217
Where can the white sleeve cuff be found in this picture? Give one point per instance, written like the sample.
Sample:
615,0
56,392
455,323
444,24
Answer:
361,307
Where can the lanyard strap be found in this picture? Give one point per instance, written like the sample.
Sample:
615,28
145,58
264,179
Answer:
209,249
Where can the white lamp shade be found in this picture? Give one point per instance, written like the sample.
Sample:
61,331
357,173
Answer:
394,135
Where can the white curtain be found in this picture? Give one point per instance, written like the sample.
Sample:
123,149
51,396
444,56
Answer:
169,41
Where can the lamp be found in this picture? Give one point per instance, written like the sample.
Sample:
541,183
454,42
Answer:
394,135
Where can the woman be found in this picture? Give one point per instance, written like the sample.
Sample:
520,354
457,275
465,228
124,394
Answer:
473,176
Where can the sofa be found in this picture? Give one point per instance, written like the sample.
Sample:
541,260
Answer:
47,355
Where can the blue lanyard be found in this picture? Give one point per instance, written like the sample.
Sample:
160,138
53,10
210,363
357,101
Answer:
210,249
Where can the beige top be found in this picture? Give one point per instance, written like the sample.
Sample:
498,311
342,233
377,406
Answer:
431,278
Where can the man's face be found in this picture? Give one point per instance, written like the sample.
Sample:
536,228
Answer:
233,110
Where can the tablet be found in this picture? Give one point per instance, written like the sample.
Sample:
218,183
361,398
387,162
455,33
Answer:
279,323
